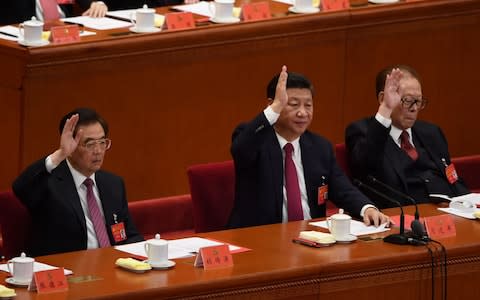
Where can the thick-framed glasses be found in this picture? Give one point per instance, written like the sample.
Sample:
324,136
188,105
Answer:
103,144
409,102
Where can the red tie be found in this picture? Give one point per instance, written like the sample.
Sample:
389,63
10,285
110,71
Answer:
294,203
50,10
96,215
407,146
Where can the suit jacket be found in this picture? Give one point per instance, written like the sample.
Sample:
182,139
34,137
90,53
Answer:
58,221
372,151
259,175
18,11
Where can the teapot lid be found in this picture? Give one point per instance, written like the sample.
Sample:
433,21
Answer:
33,22
145,9
23,258
340,215
156,240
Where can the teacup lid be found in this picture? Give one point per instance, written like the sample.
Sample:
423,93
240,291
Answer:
23,258
145,9
33,22
341,215
156,240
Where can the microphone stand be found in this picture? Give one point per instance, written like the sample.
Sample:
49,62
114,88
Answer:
401,238
417,227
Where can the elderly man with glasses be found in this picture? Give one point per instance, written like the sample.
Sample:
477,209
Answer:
393,147
73,204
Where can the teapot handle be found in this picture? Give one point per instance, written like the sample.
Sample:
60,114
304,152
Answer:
10,262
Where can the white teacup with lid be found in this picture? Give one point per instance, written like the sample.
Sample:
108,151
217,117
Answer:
144,19
21,268
339,225
31,31
157,251
221,9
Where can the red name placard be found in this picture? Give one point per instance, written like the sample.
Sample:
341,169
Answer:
49,281
180,20
328,5
256,11
440,226
65,34
214,257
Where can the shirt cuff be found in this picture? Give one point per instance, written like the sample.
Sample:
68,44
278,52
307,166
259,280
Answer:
271,116
49,164
382,120
364,208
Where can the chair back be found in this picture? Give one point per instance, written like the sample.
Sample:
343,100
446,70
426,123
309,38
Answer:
342,158
212,187
15,225
171,216
468,168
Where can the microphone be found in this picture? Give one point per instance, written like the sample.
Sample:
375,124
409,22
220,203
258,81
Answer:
417,227
398,238
398,193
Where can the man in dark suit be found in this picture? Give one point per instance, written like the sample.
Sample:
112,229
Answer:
394,147
266,192
73,204
18,11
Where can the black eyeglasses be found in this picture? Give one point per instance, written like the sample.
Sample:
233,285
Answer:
409,102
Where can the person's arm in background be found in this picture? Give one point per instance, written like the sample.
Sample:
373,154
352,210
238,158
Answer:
95,9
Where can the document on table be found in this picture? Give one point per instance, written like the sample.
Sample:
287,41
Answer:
98,23
464,201
129,14
472,197
178,248
200,8
290,2
9,32
38,266
356,227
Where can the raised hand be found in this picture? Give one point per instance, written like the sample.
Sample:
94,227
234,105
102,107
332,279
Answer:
391,95
68,143
281,96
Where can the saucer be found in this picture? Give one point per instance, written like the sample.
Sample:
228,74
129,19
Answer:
348,239
306,10
224,20
149,30
164,265
382,1
12,281
33,44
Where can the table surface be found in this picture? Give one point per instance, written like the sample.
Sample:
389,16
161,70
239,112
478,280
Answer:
273,259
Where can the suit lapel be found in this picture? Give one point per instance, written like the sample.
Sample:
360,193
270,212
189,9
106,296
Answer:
308,167
420,138
105,192
391,148
276,157
65,185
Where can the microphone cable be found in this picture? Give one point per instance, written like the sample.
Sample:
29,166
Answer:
432,268
443,270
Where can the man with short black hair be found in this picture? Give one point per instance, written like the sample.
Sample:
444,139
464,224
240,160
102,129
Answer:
73,204
284,172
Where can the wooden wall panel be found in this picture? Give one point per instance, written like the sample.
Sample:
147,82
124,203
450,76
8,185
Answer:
172,99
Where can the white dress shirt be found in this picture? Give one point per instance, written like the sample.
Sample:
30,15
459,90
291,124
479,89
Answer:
78,178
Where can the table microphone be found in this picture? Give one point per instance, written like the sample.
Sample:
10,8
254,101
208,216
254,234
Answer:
397,238
417,227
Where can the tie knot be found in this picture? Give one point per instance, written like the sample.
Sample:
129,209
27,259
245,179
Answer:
288,148
405,136
88,182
